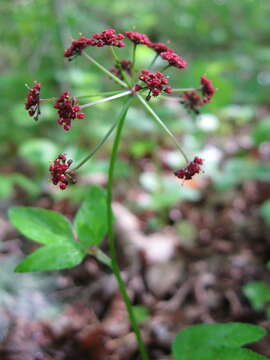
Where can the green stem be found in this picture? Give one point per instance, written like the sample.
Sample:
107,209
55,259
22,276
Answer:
107,72
165,68
97,147
118,64
161,123
154,60
112,245
183,89
125,93
105,93
101,256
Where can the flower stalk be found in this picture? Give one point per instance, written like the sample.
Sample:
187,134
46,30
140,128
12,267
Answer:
112,245
103,69
161,123
125,93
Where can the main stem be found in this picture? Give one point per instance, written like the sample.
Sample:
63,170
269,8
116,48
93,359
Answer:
112,245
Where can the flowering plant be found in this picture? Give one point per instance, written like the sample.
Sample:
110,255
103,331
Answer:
140,84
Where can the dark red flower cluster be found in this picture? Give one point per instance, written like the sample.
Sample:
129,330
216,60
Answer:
155,82
67,110
60,173
108,37
192,100
194,167
124,65
159,47
76,47
32,101
138,38
174,59
208,91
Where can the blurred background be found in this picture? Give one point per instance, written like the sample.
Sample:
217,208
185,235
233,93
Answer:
208,237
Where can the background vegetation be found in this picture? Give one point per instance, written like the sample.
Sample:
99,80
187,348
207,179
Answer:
220,218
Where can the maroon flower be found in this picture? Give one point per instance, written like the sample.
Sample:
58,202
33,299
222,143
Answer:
33,100
174,59
156,82
207,89
108,37
60,173
159,47
125,65
67,110
192,100
138,38
77,46
194,167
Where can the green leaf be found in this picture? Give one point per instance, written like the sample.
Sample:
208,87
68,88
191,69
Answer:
40,225
258,293
55,256
265,211
261,132
91,219
205,341
236,354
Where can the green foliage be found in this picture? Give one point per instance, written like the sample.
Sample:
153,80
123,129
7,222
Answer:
258,293
53,230
238,170
164,191
40,225
8,182
91,220
217,342
261,131
61,255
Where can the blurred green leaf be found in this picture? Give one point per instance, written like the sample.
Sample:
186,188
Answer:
39,152
237,170
265,211
261,131
258,293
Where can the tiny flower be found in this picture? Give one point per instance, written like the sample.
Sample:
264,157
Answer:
159,47
76,47
33,100
174,59
60,173
207,89
138,38
67,110
191,100
194,167
156,83
108,37
124,65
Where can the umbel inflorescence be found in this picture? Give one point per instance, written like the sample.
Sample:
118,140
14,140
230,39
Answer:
142,84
